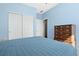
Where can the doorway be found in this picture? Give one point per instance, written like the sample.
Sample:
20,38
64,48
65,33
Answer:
45,24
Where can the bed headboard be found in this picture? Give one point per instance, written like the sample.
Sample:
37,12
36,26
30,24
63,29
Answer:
65,33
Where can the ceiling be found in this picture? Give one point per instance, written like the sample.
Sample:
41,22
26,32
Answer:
42,7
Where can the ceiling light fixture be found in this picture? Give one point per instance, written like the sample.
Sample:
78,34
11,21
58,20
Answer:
43,7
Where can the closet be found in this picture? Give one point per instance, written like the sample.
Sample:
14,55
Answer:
27,26
15,26
20,26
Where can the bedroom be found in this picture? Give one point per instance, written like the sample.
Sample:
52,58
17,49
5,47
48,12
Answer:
14,35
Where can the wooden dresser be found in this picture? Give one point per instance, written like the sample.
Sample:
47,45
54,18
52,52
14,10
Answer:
65,33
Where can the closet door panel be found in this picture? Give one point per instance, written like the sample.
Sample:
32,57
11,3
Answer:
40,27
27,26
15,26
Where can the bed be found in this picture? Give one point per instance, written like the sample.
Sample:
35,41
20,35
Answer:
36,46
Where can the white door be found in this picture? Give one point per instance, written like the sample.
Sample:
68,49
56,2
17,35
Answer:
40,27
15,26
27,26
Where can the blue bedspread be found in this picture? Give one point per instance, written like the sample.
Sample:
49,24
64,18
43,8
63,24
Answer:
35,46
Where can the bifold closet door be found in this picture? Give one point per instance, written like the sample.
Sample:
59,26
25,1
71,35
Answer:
15,26
40,28
27,26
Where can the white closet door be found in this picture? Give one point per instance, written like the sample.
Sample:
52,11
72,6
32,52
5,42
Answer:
27,26
40,28
15,26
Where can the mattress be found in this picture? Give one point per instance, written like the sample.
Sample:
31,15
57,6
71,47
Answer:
35,46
